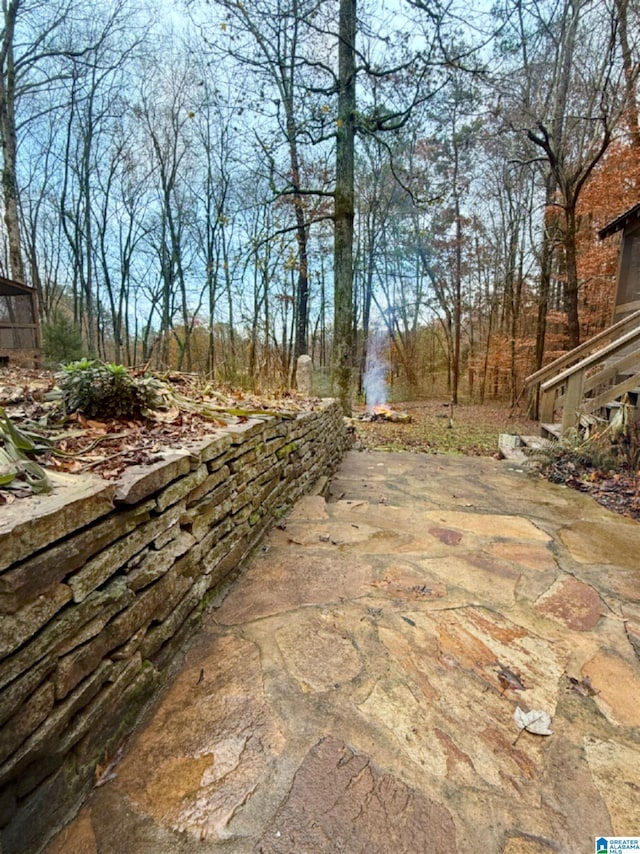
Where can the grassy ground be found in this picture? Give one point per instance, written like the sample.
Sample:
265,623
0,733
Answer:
474,430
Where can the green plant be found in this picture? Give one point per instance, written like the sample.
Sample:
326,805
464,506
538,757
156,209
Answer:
61,339
17,471
101,390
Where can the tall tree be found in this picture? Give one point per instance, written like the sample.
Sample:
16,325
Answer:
344,207
629,50
572,95
167,116
267,40
39,42
9,81
94,108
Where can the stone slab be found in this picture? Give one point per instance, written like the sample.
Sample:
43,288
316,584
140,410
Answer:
113,559
78,838
615,767
240,433
179,489
614,540
537,557
318,658
618,685
33,523
56,635
571,602
33,576
33,712
309,507
139,482
207,448
293,582
480,576
340,801
489,525
19,627
213,767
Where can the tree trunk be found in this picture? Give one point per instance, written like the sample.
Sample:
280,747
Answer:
8,141
344,206
366,307
457,296
302,288
572,284
630,72
549,238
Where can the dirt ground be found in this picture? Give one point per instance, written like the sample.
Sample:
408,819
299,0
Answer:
437,427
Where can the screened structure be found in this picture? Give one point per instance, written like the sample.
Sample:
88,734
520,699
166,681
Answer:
19,328
628,286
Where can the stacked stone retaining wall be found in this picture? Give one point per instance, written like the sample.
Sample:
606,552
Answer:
102,583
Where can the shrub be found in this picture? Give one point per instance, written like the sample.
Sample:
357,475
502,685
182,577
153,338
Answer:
103,390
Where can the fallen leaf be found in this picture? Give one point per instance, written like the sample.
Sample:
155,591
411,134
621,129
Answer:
167,416
536,721
510,680
107,772
583,687
421,588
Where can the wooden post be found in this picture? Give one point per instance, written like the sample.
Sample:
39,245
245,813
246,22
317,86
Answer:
572,401
547,405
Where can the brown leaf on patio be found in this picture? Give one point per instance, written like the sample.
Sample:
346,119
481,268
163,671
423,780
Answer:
583,687
509,680
107,772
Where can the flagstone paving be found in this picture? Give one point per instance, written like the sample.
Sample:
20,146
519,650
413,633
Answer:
355,691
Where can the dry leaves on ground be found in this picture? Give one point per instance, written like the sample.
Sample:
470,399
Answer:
75,444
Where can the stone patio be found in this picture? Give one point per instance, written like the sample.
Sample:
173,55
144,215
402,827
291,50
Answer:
355,691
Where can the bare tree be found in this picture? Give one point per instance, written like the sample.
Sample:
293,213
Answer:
39,42
571,97
267,40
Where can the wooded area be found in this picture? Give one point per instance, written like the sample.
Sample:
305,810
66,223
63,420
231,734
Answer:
221,186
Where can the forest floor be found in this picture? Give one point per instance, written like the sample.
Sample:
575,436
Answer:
436,427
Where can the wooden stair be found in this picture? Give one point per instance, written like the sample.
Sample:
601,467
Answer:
550,431
519,451
587,385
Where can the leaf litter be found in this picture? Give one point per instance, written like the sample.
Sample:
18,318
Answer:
582,687
48,439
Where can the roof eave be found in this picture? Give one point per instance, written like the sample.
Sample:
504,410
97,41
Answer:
620,222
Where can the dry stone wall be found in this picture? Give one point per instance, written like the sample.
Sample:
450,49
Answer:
102,583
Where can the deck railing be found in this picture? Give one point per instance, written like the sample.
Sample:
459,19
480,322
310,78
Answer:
586,379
